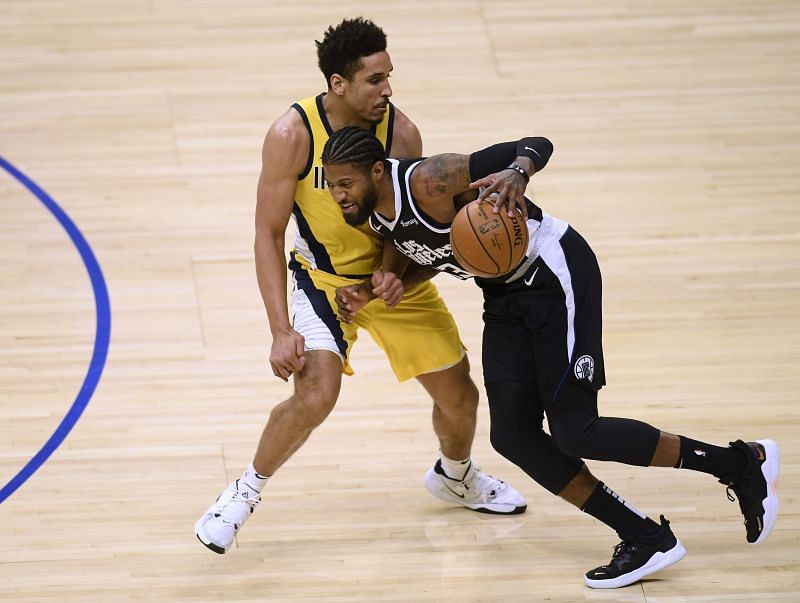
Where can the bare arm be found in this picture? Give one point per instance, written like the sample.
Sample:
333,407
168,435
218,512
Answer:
284,154
438,184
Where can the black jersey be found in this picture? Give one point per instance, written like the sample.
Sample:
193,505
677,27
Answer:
416,235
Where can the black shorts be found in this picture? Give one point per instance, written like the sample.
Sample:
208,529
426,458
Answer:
546,327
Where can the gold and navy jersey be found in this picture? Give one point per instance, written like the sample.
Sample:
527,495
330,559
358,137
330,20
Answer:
324,241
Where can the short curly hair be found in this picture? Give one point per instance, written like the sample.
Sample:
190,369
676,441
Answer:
343,46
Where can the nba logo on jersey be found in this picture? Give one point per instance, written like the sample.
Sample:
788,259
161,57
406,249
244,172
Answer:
319,177
584,368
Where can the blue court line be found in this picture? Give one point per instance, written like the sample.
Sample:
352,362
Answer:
101,339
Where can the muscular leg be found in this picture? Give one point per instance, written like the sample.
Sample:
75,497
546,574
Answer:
580,488
580,432
667,452
455,404
316,389
517,434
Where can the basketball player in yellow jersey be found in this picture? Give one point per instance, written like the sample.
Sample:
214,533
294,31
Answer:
410,321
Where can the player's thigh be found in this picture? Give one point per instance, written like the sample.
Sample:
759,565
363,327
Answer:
508,349
314,316
419,335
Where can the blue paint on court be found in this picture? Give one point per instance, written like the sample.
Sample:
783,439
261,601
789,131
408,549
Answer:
101,339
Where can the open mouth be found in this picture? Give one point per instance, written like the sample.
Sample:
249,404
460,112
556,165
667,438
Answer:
346,207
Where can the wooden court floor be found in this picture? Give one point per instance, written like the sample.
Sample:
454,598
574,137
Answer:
676,127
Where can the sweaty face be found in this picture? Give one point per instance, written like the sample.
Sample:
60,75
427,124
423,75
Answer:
367,92
354,190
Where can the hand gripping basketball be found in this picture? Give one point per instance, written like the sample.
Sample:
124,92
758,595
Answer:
485,243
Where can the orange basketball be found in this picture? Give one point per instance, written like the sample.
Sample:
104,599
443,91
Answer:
485,243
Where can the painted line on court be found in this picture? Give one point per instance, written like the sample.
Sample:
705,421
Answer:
101,339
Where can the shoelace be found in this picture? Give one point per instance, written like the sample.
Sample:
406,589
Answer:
478,483
747,504
746,500
623,552
482,479
233,513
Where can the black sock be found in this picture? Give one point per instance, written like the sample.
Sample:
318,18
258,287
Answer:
606,505
716,460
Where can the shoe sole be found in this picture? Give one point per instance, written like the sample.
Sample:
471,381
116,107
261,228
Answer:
769,469
433,485
657,562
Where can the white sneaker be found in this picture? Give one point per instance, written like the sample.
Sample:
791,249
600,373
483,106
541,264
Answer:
218,526
478,491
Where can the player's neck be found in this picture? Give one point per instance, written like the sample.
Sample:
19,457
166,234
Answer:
340,115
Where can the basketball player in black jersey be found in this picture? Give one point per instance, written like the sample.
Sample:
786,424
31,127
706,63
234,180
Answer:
542,350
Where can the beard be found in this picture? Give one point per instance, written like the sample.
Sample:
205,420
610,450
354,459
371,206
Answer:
364,208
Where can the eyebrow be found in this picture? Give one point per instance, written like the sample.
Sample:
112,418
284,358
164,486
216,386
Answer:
374,73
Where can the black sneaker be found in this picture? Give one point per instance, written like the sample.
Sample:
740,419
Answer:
632,561
756,487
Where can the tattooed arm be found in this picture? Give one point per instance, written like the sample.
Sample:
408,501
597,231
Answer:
438,184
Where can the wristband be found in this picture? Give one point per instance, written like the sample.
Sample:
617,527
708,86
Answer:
519,170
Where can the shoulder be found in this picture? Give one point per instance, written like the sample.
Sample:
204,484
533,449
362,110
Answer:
440,176
289,128
406,139
287,142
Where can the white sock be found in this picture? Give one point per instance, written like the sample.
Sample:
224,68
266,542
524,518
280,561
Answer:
454,469
253,479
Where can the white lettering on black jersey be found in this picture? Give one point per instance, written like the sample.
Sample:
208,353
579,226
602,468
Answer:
417,236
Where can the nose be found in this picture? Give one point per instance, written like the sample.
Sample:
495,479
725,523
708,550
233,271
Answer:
340,197
387,90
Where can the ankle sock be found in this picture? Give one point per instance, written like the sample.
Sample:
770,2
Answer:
707,458
607,506
253,480
455,469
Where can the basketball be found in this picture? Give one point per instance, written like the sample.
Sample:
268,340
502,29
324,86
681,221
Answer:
485,243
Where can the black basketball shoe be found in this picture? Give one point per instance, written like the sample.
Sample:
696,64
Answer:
756,487
632,561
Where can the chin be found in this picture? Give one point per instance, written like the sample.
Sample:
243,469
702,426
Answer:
356,219
375,117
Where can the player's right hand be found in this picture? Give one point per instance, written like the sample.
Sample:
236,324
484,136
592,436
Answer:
505,190
387,287
287,355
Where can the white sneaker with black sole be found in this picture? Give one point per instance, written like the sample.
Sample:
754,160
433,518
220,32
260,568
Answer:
478,491
219,524
632,561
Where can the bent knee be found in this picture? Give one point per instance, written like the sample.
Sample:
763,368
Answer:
306,412
571,441
457,394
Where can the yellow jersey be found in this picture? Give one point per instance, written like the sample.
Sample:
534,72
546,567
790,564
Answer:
324,241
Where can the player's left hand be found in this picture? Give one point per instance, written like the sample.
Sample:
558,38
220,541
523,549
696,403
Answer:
350,299
508,189
387,287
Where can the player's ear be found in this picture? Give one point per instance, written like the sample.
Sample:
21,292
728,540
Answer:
337,84
377,170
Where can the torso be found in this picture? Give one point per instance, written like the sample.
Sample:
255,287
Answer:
324,240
